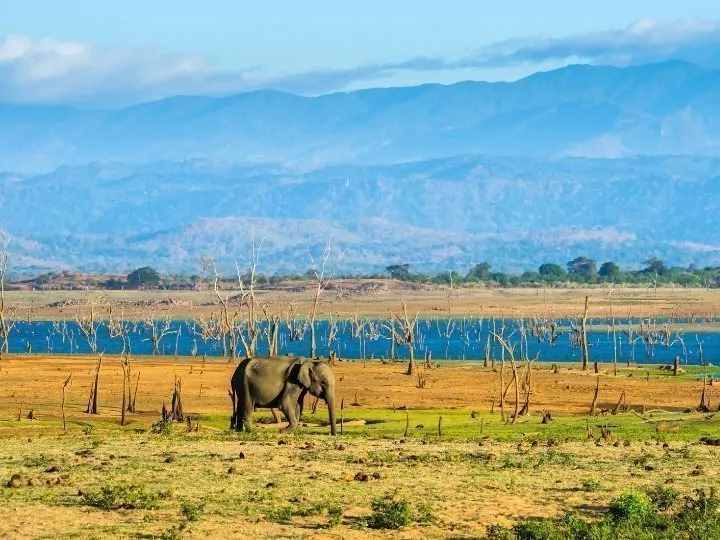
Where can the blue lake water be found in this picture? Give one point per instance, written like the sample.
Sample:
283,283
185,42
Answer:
458,339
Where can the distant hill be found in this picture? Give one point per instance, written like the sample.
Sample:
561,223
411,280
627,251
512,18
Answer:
592,111
436,214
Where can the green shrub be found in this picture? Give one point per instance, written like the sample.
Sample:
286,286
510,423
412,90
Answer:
389,513
498,532
192,511
280,515
161,427
335,513
125,496
538,529
663,498
632,505
425,513
590,484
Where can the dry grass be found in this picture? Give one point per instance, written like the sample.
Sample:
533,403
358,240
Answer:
440,301
285,486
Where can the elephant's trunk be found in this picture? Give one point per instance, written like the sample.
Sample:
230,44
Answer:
330,400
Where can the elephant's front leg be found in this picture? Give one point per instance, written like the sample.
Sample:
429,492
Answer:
245,417
290,409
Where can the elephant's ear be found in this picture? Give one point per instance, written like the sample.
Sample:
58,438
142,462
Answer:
305,374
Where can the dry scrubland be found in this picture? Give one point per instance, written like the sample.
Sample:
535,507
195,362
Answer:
101,479
355,298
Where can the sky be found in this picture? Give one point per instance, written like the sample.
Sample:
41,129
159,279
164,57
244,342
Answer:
118,52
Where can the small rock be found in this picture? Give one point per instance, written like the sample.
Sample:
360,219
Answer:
377,475
281,442
169,459
649,467
341,447
233,470
361,477
53,469
270,485
34,481
15,481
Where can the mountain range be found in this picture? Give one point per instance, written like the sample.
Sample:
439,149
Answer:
439,214
580,110
612,163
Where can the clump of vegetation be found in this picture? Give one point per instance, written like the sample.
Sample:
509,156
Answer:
591,484
425,513
125,496
631,515
161,427
280,515
335,515
663,498
630,506
192,511
390,513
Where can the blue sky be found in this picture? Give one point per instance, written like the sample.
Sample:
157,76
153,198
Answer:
129,50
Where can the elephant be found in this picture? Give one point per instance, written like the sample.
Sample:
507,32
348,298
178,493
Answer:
280,382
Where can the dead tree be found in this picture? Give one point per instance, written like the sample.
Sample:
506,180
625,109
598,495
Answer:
595,397
157,331
506,346
406,334
87,326
249,330
125,364
322,283
612,319
583,326
226,323
92,407
7,323
62,403
176,412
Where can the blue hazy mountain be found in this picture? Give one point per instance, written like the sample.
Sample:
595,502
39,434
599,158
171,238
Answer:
580,110
516,212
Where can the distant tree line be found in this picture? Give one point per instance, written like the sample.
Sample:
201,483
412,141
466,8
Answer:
581,271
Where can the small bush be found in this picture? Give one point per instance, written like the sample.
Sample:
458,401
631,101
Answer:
192,511
590,484
663,498
424,513
335,513
630,506
126,496
280,515
498,532
161,427
538,529
389,513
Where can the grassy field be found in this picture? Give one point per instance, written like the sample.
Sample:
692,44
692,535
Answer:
151,480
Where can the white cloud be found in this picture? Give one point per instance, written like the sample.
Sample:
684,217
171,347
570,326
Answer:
48,70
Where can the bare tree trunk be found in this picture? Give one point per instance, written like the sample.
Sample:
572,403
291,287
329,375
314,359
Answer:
92,407
584,336
595,397
62,404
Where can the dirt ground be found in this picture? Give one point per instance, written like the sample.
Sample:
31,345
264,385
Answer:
35,382
212,483
353,300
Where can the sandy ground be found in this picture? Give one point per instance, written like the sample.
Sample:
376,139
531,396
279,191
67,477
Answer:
432,301
35,382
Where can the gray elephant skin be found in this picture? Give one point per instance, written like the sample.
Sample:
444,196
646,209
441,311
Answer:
280,382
